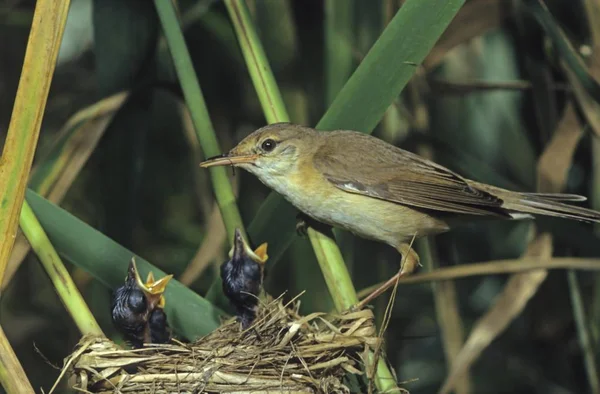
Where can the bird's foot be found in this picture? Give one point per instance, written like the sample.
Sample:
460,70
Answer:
246,316
410,261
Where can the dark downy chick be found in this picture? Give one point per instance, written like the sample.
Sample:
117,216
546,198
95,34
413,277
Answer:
137,309
159,327
243,276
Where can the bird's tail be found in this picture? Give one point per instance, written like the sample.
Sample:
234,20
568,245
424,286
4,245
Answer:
549,205
522,205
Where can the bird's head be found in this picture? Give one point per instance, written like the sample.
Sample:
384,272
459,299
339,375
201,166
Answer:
153,289
241,250
270,151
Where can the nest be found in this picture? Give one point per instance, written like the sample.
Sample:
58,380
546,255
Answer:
281,352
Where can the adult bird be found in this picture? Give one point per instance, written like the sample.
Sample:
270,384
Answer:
378,191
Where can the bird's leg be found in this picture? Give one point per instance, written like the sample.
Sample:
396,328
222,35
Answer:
410,261
302,223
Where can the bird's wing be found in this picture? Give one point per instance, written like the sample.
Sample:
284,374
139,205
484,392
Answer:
374,168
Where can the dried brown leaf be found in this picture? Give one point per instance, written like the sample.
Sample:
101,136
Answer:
510,303
589,106
554,164
473,20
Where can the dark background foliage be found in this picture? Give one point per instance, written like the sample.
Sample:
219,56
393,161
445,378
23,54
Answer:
488,110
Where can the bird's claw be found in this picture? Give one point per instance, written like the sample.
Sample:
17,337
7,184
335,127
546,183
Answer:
410,260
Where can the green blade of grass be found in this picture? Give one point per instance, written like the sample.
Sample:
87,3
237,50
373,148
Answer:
360,105
199,113
17,156
189,314
64,285
389,65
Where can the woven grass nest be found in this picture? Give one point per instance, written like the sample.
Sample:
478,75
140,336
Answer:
281,352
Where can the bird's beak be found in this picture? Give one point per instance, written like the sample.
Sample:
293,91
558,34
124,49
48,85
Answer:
228,160
241,248
153,289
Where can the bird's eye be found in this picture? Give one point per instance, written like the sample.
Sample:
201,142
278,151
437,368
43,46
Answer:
268,145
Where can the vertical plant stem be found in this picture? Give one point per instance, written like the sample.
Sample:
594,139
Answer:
12,375
38,68
585,341
199,113
63,283
334,270
257,63
326,250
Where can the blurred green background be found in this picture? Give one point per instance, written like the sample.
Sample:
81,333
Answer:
488,101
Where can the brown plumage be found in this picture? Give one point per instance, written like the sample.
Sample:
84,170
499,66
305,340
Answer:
408,179
378,191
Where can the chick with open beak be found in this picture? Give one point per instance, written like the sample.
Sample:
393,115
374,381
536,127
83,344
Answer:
243,276
138,308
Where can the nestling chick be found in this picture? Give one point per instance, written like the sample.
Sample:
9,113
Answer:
243,276
137,308
160,331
